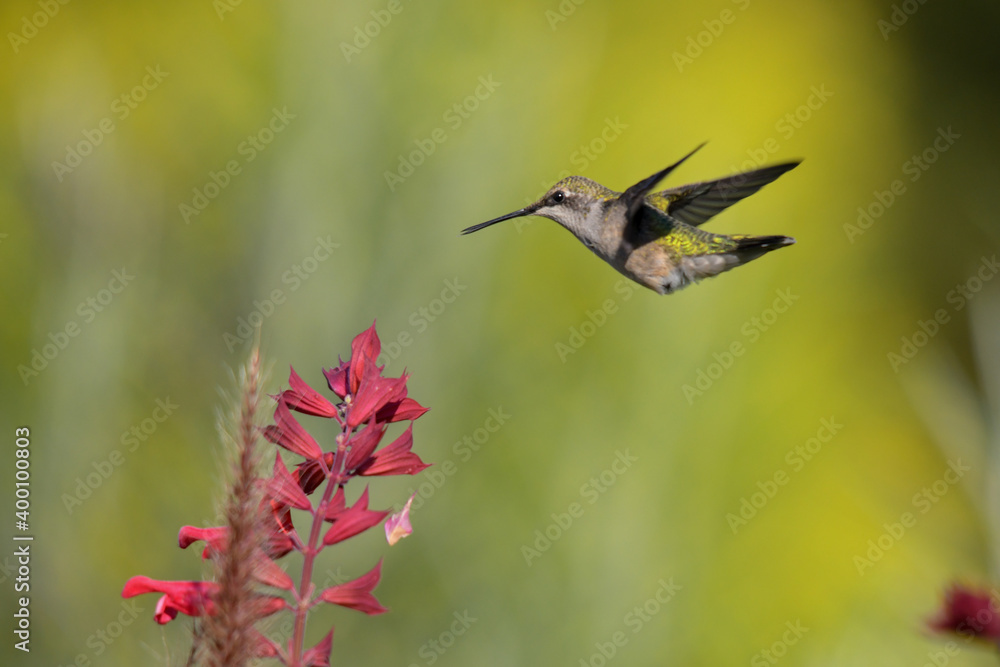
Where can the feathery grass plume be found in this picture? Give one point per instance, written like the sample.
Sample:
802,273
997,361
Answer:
230,633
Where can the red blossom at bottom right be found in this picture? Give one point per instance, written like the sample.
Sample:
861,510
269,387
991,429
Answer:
969,613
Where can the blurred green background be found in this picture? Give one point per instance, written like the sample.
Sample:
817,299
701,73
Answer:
144,107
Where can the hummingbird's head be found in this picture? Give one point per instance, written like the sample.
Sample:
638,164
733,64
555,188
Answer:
568,202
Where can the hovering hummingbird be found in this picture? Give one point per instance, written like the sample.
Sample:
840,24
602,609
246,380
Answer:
653,238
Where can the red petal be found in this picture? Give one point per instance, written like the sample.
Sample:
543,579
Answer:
375,392
283,538
309,474
165,610
319,655
265,605
269,573
264,647
355,520
283,488
215,538
336,505
365,348
303,398
362,445
288,433
357,594
400,411
336,378
395,459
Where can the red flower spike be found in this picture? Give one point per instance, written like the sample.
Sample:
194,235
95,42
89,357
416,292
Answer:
336,378
357,594
288,433
969,613
215,539
363,444
303,398
283,489
400,411
365,349
368,403
348,523
319,655
394,459
187,597
374,393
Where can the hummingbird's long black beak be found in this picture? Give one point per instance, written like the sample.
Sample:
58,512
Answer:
635,195
527,210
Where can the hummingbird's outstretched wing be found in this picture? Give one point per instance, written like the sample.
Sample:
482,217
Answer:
697,202
636,195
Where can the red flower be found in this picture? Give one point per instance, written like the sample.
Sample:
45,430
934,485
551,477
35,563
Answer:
400,411
319,655
279,544
349,522
303,398
357,594
394,459
283,537
282,488
310,474
969,613
214,538
265,648
385,397
288,433
374,394
336,378
365,349
269,573
193,598
345,379
362,444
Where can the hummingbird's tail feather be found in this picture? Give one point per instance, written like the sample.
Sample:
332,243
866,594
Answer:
749,248
693,268
752,247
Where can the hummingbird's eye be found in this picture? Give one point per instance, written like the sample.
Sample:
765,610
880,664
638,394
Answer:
558,197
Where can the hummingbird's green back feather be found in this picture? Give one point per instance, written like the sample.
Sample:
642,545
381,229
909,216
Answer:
684,240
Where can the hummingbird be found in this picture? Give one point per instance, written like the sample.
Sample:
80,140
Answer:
654,238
